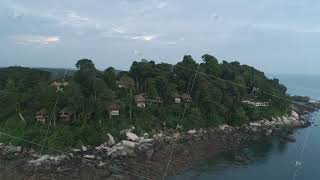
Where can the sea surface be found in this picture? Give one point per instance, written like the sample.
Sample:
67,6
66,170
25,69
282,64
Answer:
271,159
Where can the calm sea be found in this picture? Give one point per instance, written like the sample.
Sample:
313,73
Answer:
272,159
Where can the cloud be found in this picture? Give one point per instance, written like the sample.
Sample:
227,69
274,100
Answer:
68,18
161,4
285,27
234,23
145,38
71,18
168,42
120,30
37,40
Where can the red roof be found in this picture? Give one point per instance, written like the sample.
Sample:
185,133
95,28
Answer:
139,98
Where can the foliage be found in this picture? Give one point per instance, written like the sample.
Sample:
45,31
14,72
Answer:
90,92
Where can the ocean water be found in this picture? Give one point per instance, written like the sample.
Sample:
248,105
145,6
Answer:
271,159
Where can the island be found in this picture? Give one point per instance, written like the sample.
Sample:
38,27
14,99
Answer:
118,124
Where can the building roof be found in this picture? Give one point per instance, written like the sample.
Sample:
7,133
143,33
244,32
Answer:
139,98
113,106
56,83
250,97
185,96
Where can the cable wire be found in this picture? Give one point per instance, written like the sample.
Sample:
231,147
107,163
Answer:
181,121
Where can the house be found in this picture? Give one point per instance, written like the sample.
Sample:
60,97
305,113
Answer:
156,100
186,97
113,110
140,101
121,84
177,99
67,114
251,100
59,84
41,116
125,82
262,104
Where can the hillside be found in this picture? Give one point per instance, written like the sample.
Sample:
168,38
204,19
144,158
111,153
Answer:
149,97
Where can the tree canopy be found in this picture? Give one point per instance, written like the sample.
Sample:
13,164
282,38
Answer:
216,97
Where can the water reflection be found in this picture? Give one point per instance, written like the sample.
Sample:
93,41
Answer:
269,159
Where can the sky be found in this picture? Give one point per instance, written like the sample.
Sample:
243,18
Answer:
275,36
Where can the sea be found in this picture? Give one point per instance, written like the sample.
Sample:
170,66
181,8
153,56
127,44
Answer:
271,159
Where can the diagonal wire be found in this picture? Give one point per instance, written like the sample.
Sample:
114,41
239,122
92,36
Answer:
197,72
271,94
305,143
49,125
181,121
241,85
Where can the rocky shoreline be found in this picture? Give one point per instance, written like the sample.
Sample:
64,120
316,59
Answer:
146,157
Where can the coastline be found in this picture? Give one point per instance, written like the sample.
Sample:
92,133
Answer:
148,157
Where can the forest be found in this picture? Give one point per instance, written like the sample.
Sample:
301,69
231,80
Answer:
85,105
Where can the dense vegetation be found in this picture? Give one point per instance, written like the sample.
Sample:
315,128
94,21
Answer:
24,91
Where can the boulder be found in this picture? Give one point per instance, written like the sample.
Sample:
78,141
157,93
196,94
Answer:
193,131
58,158
268,123
40,159
286,120
254,129
295,115
89,156
142,140
128,144
110,141
19,149
131,136
76,150
158,136
84,149
255,124
224,127
268,132
176,135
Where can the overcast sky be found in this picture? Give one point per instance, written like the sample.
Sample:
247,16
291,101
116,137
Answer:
275,36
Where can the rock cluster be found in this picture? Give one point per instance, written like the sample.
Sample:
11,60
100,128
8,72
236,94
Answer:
143,146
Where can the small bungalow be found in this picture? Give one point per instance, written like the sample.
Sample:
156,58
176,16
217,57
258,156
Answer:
248,99
251,100
177,98
125,83
121,85
59,84
67,114
41,116
140,101
156,100
113,110
186,97
262,104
